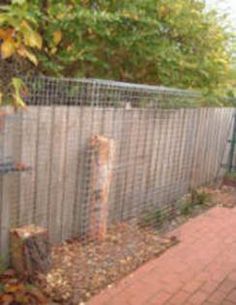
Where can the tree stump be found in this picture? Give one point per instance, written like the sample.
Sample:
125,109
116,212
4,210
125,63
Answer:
30,251
102,157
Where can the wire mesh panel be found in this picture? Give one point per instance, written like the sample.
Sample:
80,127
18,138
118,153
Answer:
230,163
96,153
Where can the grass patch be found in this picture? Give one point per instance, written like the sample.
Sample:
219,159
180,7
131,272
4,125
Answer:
187,206
154,218
200,197
196,199
231,176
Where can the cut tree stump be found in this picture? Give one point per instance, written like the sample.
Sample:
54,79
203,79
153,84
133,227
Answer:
30,250
102,158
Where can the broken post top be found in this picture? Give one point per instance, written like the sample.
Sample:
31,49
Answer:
28,230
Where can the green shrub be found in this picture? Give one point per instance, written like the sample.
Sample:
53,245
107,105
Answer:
186,208
197,198
154,218
136,41
200,197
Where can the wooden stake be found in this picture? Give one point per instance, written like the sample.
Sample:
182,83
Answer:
102,153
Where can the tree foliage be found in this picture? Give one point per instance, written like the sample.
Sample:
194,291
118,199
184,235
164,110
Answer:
168,42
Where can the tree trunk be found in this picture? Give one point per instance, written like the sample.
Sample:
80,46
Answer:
30,251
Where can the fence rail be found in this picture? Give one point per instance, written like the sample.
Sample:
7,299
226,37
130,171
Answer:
159,154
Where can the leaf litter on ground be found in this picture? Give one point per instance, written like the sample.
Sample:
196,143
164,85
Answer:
15,291
82,270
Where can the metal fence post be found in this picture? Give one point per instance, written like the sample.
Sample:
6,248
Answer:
232,148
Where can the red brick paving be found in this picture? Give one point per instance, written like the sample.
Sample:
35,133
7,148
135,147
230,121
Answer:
200,270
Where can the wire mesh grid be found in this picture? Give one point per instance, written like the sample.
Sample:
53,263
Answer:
105,93
94,153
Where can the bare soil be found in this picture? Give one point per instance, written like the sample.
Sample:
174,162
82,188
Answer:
225,196
81,271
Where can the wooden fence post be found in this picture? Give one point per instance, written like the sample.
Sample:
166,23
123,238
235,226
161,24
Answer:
102,157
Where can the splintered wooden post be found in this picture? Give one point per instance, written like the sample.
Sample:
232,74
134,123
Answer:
102,157
30,250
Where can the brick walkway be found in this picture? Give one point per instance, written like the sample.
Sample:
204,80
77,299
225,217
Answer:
201,269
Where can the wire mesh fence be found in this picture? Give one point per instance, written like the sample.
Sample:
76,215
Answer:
231,164
89,154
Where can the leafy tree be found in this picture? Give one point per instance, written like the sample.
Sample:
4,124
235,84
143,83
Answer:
233,67
168,42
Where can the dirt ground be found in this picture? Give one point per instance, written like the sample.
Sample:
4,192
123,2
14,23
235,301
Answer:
225,196
80,271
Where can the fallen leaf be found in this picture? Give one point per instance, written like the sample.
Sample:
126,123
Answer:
38,295
14,287
7,298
